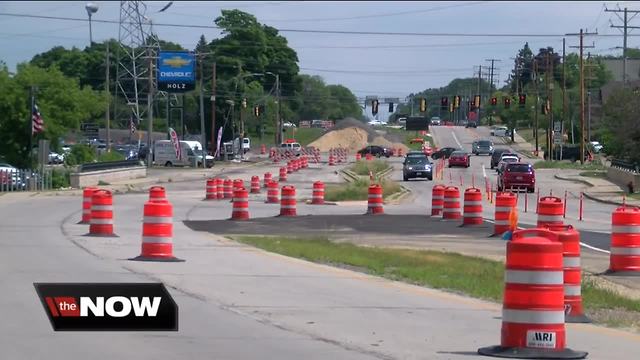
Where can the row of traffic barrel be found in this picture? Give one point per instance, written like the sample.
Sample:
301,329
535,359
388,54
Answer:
157,222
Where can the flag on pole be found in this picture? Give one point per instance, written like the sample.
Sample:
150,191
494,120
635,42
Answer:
37,124
176,143
132,125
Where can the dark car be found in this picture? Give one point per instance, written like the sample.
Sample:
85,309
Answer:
376,150
416,165
496,155
471,124
444,153
459,158
517,176
482,147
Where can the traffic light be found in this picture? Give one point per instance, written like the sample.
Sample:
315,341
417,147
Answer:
423,105
256,111
244,103
476,101
494,101
456,102
507,102
374,107
390,107
522,100
444,103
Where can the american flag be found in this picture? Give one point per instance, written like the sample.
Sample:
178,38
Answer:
37,124
132,125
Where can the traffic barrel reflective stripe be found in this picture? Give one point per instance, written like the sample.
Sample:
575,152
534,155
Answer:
550,211
318,193
157,233
263,149
255,185
101,222
211,189
505,203
332,160
240,204
86,204
472,207
283,174
570,239
267,179
273,193
288,201
220,187
451,209
437,200
290,167
374,203
238,184
157,193
533,305
228,188
625,241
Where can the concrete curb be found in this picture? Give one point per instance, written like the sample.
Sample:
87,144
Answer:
573,180
610,202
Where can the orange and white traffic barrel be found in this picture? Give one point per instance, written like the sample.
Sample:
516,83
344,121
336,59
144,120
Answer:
374,206
228,188
570,239
288,201
267,178
625,242
101,222
255,185
358,157
550,211
240,204
86,204
400,152
318,193
283,174
472,207
157,193
332,160
296,164
505,202
220,187
263,149
238,184
290,167
157,233
437,200
273,193
451,208
368,157
211,189
533,306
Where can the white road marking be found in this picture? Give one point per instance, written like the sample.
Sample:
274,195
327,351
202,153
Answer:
595,248
456,138
484,171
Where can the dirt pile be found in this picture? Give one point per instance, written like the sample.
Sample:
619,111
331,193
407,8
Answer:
353,135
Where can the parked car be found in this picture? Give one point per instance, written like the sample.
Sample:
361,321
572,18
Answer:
517,176
293,147
376,150
497,154
289,124
482,147
506,159
459,158
471,124
500,131
55,158
445,152
416,165
597,147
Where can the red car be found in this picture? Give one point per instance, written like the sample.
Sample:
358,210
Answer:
517,176
459,158
427,150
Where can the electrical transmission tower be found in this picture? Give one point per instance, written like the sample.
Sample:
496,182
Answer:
136,54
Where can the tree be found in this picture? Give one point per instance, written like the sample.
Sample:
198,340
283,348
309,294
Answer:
524,66
343,103
622,122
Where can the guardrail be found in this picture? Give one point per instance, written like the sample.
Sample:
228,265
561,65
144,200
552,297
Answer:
107,165
625,165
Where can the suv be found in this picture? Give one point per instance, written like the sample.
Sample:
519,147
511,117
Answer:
499,131
504,160
482,147
376,150
471,124
497,155
416,165
517,176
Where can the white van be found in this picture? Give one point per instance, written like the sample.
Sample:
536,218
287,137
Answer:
246,145
165,154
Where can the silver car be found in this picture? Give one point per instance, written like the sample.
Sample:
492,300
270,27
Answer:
482,147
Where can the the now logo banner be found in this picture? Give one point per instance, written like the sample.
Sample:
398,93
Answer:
108,306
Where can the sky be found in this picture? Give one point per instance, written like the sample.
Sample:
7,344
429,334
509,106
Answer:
380,65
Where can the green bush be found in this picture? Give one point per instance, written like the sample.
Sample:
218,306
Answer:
60,178
110,156
363,167
80,154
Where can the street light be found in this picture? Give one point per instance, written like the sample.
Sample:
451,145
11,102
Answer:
91,9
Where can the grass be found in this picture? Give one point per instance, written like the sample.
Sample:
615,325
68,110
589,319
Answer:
304,136
567,165
634,196
358,190
527,135
469,275
363,167
594,174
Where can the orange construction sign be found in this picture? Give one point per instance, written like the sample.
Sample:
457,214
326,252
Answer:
513,219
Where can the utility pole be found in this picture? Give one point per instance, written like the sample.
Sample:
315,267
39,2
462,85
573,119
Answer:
150,109
106,88
203,135
474,99
214,142
535,110
625,26
279,118
549,104
491,73
582,90
564,93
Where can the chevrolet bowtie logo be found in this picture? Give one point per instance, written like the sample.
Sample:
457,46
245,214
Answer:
176,62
